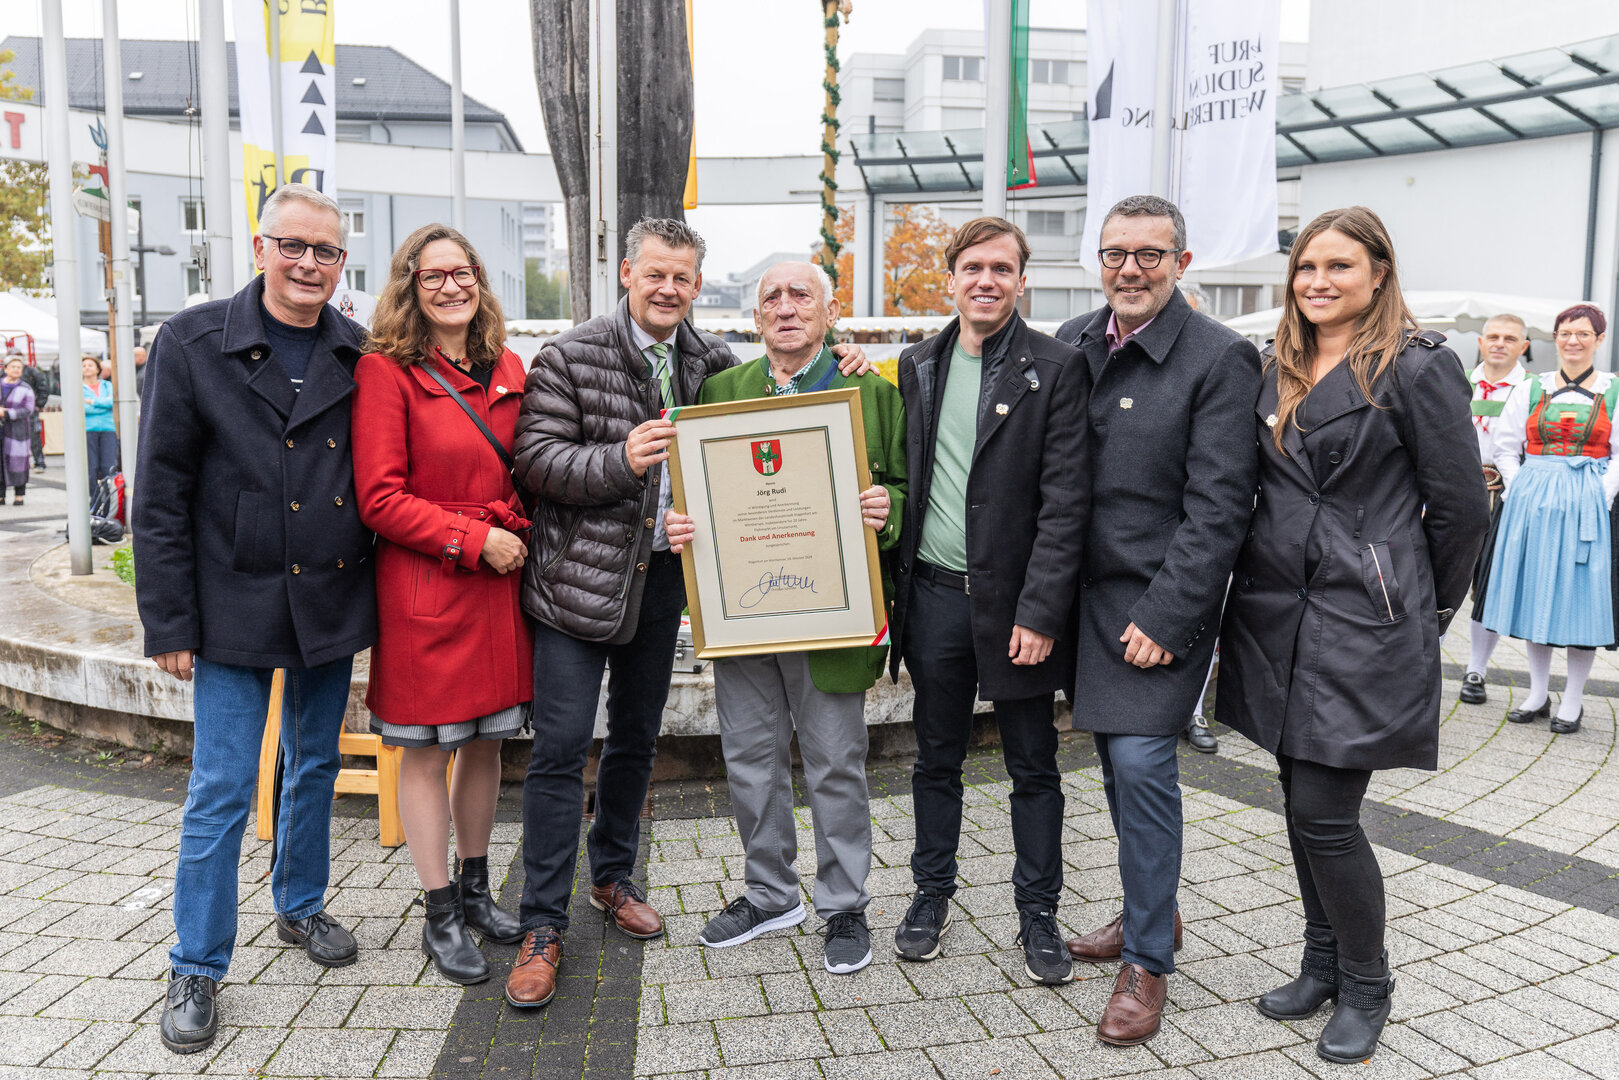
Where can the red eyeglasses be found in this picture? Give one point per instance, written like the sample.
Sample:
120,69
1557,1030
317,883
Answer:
433,280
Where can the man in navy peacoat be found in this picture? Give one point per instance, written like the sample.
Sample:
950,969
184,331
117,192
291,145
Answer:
1171,416
250,556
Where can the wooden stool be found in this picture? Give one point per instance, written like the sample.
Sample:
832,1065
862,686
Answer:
382,781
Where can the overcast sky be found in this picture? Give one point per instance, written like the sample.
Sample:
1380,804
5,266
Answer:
758,72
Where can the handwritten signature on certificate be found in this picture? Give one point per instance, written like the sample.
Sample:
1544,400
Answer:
770,582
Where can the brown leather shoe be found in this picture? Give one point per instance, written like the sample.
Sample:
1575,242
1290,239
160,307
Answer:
1107,942
630,912
533,981
1135,1009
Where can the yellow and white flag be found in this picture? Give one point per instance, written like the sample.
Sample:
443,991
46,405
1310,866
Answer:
308,93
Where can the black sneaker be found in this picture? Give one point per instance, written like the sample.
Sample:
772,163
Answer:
742,921
848,942
189,1022
1045,956
918,935
1473,692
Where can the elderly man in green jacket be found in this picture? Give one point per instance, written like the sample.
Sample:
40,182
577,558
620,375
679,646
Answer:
762,699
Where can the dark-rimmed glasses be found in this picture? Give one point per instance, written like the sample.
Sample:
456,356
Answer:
1146,258
433,280
292,248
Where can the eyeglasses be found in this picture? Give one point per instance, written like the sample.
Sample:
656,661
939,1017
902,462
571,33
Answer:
1146,258
291,248
1574,335
433,280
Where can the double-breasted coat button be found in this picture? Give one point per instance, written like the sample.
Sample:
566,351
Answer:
332,443
1314,498
1303,594
295,506
296,569
650,523
641,567
289,444
338,501
1335,457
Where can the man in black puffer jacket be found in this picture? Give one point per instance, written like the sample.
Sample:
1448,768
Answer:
601,584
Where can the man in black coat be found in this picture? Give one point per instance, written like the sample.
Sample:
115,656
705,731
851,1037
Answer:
988,557
251,556
1171,413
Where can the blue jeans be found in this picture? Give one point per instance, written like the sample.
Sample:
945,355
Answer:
230,707
1141,778
567,687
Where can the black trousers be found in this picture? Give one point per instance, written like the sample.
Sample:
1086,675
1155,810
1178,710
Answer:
1340,883
567,687
944,670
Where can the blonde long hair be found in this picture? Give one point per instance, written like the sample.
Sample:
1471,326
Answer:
1379,337
398,327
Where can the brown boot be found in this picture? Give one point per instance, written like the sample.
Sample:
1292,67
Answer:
1107,943
630,912
533,981
1135,1009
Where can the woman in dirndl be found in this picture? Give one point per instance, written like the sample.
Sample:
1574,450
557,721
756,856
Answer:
1551,579
453,668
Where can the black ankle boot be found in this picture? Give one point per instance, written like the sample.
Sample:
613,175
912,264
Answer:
1316,985
446,941
1357,1023
494,923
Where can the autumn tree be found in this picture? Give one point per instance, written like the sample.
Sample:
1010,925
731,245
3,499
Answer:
913,262
24,205
843,232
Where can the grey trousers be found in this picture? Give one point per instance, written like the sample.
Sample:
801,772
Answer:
761,699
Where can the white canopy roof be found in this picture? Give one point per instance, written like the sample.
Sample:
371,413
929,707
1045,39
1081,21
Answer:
37,318
1438,311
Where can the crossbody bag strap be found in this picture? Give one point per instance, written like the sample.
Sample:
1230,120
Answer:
505,455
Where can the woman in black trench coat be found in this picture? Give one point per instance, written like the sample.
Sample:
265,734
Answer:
1370,511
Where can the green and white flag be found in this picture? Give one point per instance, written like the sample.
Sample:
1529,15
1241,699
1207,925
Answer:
1019,154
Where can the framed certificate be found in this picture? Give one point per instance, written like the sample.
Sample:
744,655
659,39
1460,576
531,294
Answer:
781,561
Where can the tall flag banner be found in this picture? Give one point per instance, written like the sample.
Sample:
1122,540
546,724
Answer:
1121,62
308,93
1223,150
688,198
1019,154
1225,168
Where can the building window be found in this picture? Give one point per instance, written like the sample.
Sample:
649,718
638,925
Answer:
959,119
192,218
1049,71
354,278
963,68
888,90
193,280
1230,300
354,218
1046,222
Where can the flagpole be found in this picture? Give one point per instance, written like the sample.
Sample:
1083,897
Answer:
65,284
276,141
604,224
1163,98
218,259
458,125
122,332
997,102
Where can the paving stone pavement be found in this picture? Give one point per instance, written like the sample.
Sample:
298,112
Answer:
1503,900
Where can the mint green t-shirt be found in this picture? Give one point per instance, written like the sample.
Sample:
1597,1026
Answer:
944,526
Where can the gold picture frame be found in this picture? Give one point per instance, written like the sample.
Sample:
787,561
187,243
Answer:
782,561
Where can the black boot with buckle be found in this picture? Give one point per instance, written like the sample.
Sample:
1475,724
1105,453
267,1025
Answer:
478,904
1357,1023
446,941
1316,985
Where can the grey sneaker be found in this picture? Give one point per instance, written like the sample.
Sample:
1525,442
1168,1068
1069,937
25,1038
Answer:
1045,956
917,936
848,942
742,921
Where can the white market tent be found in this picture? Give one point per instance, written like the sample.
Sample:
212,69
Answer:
1464,311
34,317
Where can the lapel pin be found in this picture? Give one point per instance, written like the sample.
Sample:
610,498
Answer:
1034,384
1127,403
1270,421
500,389
1002,408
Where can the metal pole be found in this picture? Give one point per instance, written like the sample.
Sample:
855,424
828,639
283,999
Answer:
219,262
65,283
123,330
1591,217
604,156
997,103
1163,98
276,141
458,125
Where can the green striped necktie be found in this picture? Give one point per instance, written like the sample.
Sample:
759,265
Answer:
660,367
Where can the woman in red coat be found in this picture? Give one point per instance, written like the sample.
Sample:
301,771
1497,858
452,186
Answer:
452,667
